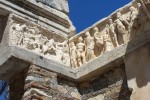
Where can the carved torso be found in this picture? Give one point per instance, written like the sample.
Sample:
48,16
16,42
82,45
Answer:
89,41
107,43
80,47
120,27
98,39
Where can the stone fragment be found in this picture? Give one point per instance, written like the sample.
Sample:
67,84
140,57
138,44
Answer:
76,95
62,89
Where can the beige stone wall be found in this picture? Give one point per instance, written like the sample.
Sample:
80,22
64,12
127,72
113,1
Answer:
137,66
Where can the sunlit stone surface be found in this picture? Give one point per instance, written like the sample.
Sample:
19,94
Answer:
41,56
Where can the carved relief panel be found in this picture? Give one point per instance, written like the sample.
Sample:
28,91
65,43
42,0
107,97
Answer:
119,28
38,40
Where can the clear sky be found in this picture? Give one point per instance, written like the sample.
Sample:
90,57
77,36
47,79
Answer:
84,13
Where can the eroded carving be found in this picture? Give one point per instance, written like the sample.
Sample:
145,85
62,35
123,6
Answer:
112,33
16,33
122,32
141,17
99,41
30,37
120,28
81,51
108,45
90,43
73,55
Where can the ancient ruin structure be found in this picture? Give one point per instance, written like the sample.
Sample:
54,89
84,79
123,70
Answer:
42,58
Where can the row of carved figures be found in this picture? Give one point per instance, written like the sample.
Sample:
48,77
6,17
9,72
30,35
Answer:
30,38
116,33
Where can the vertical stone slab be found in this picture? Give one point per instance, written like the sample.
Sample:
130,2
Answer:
137,66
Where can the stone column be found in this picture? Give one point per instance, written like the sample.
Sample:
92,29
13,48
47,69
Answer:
40,84
137,64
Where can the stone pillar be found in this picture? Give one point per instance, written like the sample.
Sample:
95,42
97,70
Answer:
137,66
40,84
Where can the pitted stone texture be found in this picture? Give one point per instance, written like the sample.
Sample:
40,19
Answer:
61,5
69,89
42,84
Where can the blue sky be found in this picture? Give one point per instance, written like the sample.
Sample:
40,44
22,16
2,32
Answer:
84,13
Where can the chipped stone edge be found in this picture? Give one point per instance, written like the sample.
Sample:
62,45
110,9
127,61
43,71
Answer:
8,51
35,18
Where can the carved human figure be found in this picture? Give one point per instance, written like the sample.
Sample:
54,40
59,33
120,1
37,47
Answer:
99,40
133,22
26,40
122,34
112,33
31,39
49,48
141,17
81,51
133,15
16,33
36,36
108,46
73,55
89,42
65,49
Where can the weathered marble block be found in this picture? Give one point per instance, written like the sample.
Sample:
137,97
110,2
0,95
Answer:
37,39
118,29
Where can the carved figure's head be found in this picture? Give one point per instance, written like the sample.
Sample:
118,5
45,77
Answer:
110,21
118,14
139,5
80,39
96,29
132,9
87,34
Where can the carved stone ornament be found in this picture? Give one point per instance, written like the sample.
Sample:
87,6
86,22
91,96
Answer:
118,29
30,37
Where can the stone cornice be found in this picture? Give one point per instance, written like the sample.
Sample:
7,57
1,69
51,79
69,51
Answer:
50,13
96,66
50,18
13,49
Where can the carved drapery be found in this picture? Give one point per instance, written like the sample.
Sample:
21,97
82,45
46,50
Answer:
118,29
31,37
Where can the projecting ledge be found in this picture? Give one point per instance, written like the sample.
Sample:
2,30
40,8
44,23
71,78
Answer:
85,72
